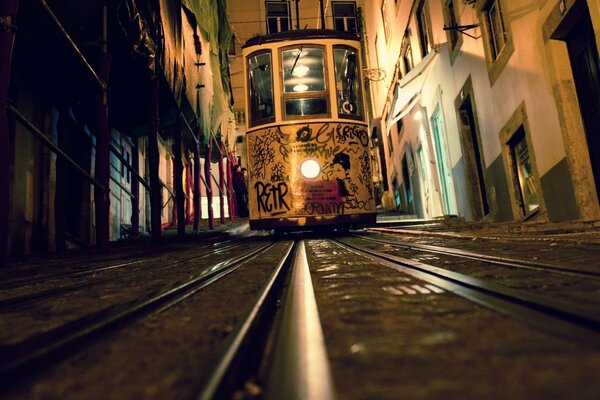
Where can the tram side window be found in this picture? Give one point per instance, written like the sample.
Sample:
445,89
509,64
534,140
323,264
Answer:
304,88
347,83
260,89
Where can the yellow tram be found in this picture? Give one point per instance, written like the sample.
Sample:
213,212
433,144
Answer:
309,161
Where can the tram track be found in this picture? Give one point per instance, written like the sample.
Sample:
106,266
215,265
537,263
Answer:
559,278
490,259
564,319
9,303
58,343
278,363
86,269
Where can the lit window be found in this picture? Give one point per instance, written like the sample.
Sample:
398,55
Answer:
304,87
260,88
278,16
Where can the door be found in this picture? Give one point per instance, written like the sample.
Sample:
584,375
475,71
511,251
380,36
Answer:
583,54
473,159
443,163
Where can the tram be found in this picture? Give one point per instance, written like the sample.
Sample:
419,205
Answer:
309,163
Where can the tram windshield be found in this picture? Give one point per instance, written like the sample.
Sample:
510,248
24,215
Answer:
261,88
347,83
304,87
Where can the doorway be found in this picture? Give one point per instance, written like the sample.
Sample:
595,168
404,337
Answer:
583,55
472,154
443,163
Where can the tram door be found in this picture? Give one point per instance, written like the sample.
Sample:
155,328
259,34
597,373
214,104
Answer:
586,73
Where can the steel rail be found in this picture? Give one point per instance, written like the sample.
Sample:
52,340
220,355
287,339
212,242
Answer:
505,261
560,318
20,358
300,369
233,347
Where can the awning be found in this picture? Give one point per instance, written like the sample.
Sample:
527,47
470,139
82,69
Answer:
407,92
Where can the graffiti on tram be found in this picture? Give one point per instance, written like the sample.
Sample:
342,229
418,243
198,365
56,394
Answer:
343,185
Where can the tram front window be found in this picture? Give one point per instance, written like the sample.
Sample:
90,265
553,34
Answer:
304,87
261,89
347,88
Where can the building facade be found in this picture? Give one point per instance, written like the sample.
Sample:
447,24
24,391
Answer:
487,109
125,128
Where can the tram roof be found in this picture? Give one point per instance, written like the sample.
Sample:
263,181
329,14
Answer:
301,34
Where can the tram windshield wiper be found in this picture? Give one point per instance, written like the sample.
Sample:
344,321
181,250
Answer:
296,60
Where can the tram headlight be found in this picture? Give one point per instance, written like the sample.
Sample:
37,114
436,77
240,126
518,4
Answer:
310,169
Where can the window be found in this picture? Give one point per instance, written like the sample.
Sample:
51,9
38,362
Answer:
400,127
348,94
406,181
344,16
451,20
523,173
407,55
260,88
497,33
396,189
278,16
422,163
424,29
386,28
304,85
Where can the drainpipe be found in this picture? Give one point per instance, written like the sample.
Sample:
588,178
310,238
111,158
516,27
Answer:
8,12
102,168
208,184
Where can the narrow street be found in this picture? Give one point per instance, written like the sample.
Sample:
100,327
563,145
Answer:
95,321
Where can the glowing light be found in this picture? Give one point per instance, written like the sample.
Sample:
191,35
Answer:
300,88
300,71
310,169
418,115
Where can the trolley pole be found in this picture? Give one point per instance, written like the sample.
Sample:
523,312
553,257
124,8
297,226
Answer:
8,13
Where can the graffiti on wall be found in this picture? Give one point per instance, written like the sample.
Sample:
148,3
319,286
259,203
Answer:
342,186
